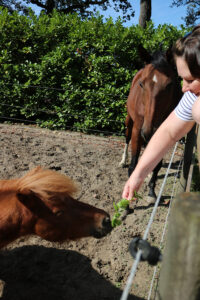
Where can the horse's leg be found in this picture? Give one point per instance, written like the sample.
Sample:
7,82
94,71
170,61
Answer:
152,183
136,143
129,126
134,161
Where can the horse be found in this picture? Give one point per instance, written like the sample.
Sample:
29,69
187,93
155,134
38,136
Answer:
41,203
155,91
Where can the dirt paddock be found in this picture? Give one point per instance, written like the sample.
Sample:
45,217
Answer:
88,269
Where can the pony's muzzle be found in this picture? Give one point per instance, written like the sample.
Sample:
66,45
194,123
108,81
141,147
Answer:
104,229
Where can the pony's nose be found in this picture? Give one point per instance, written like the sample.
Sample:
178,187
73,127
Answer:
105,228
106,222
106,225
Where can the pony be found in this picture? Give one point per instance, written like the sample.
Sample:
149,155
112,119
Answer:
41,203
154,93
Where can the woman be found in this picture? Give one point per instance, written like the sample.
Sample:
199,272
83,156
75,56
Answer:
181,120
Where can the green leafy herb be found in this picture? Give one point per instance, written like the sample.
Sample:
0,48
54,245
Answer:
119,208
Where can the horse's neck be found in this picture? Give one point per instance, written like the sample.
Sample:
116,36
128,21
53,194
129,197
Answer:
9,216
8,182
15,219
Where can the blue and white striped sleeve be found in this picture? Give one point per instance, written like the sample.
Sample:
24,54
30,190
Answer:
184,108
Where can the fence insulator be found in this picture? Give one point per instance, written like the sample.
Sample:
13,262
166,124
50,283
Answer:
150,253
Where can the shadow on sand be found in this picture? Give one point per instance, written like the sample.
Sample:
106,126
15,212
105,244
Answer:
36,272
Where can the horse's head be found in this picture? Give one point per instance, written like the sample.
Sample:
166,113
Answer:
154,93
61,217
159,92
41,203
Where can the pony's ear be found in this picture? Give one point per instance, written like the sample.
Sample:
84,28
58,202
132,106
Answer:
34,171
27,197
32,201
37,169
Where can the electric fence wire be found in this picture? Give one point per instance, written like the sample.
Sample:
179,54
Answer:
139,253
57,89
165,226
72,128
52,112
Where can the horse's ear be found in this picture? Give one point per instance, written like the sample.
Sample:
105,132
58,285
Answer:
32,201
37,169
144,54
34,171
28,198
169,55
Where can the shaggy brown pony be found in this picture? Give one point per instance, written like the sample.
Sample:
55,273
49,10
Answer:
42,203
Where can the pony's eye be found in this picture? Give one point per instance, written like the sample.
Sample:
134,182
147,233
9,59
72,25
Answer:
58,213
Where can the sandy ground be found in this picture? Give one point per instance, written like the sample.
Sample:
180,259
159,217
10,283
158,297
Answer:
88,269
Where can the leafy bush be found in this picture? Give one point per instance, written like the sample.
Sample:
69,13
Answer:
64,72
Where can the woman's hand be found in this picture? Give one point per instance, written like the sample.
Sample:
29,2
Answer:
132,185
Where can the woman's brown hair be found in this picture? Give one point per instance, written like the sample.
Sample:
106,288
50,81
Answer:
188,47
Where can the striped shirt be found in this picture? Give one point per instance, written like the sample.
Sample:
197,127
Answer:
184,108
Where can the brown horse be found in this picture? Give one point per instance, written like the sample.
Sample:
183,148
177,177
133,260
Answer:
41,203
154,93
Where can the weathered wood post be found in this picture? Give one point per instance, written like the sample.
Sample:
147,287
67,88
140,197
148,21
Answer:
188,152
198,144
180,269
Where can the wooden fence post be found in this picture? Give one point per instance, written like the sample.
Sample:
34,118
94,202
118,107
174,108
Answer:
188,152
198,144
180,269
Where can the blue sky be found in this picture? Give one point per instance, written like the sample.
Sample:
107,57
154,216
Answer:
161,13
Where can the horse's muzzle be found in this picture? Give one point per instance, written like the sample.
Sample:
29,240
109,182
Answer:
147,134
146,137
104,229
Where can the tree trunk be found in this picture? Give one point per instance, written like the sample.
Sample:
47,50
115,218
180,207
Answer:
50,5
145,12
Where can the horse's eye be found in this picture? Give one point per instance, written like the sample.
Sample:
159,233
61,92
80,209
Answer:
141,84
59,213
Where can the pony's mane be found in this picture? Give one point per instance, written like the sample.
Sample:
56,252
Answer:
46,183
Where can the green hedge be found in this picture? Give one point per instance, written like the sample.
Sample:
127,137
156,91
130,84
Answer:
63,72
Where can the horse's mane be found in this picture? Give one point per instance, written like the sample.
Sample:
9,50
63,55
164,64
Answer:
46,183
160,62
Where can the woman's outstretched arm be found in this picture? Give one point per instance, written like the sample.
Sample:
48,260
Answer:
170,131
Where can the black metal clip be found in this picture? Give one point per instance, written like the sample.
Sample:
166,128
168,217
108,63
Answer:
149,253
